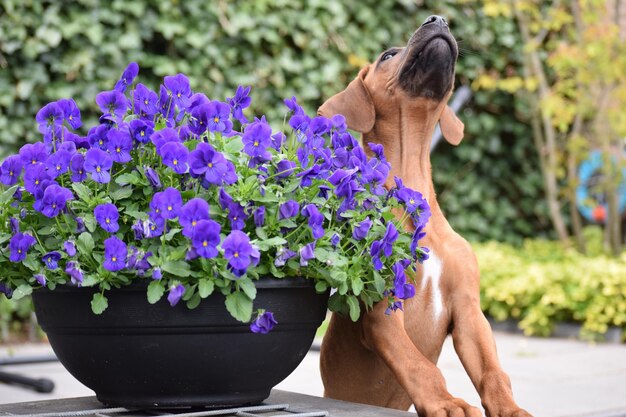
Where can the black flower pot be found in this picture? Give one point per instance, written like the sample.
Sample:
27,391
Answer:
140,355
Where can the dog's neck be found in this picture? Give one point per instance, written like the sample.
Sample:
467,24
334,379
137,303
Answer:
409,154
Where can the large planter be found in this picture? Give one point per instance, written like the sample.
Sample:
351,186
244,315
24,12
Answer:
140,355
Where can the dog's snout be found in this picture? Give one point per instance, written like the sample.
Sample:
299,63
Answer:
434,19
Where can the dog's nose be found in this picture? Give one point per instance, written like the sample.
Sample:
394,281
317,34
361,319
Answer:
434,19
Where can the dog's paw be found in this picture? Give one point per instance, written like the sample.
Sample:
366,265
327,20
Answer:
512,412
453,407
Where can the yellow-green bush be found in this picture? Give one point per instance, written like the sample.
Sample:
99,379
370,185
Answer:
541,284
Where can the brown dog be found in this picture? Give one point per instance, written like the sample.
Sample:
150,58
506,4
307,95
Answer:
389,360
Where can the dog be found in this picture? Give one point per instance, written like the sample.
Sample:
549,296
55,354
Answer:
389,360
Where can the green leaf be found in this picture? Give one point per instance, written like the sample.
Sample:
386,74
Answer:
31,262
121,193
239,305
90,222
99,303
355,308
22,291
85,244
82,191
194,301
268,243
247,285
155,291
260,232
47,230
379,282
234,145
205,287
90,281
357,286
338,275
178,268
136,214
321,286
7,196
130,178
169,235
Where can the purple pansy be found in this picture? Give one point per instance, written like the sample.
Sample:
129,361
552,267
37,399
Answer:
49,117
205,160
145,101
191,213
316,219
58,163
34,177
164,136
51,260
285,168
218,114
401,288
293,105
256,138
15,224
334,240
41,279
307,252
119,145
115,253
259,216
70,248
178,87
288,210
153,177
107,216
73,270
77,168
97,136
175,294
174,156
98,163
32,153
283,255
127,77
240,102
112,103
362,229
157,273
19,245
238,250
141,130
206,238
11,169
264,323
167,203
71,112
54,200
237,216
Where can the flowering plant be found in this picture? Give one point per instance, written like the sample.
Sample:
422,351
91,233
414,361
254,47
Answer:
165,190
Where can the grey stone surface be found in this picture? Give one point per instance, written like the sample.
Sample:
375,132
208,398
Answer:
551,377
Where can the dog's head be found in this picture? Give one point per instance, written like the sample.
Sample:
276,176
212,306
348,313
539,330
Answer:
416,77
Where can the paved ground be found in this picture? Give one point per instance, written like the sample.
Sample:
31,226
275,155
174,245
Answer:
551,377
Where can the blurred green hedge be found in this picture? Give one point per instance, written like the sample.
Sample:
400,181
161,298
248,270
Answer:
490,186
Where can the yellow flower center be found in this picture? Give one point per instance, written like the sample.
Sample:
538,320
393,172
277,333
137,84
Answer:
236,254
169,208
193,223
256,143
58,168
100,142
178,95
145,101
175,162
118,150
36,182
157,210
142,133
153,227
107,221
98,169
70,117
205,243
19,251
54,205
235,218
216,119
114,259
210,164
412,201
34,161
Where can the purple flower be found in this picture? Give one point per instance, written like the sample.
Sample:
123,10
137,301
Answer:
175,156
256,139
119,145
127,77
98,163
73,270
6,290
401,288
175,294
153,177
167,203
70,248
49,118
238,251
58,163
112,103
263,323
165,103
237,216
156,273
224,199
34,177
288,210
278,139
191,213
19,245
240,102
384,245
164,136
334,240
178,87
54,200
153,227
141,130
285,168
395,306
206,238
15,225
33,153
259,216
307,252
293,106
80,225
51,260
97,136
107,217
41,279
345,183
11,170
339,122
115,253
362,229
218,114
316,219
308,175
205,160
145,101
283,255
71,112
77,168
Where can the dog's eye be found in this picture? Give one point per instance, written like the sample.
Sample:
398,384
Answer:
388,55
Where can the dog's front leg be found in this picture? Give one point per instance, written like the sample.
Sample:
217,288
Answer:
420,378
474,343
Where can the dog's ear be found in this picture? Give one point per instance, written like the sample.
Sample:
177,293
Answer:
451,126
355,103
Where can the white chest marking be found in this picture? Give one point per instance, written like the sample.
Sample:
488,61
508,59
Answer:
432,273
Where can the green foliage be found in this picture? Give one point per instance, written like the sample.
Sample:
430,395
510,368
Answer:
542,284
490,186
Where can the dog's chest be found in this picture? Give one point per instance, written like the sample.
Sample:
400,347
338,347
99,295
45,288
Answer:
430,287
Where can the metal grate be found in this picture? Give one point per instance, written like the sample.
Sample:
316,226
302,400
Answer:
277,410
